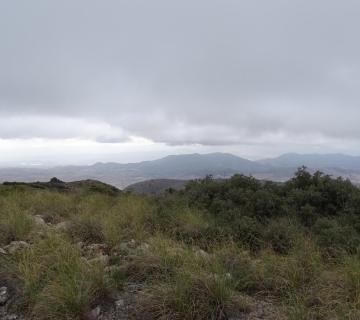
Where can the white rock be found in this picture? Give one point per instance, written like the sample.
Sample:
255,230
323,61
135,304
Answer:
120,303
4,295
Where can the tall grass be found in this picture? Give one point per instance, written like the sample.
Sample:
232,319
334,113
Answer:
15,223
129,218
54,281
187,262
181,283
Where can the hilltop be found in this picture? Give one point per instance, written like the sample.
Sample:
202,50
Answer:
236,248
55,184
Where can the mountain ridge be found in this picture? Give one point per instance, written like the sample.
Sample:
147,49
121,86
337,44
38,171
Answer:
192,166
314,160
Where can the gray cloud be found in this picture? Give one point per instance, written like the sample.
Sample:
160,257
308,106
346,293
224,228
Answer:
212,72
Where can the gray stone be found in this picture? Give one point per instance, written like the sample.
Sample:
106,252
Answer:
80,245
123,246
62,226
111,269
127,246
144,247
132,244
11,317
16,246
202,254
102,259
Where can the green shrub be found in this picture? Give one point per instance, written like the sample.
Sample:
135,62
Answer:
281,234
248,231
352,279
308,215
336,237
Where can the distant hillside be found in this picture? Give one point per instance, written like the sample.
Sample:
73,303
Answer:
316,161
191,166
156,186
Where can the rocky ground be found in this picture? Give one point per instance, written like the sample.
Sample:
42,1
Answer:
124,304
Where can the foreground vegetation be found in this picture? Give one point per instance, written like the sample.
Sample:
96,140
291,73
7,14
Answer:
218,249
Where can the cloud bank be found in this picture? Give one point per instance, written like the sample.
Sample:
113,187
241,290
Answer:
181,72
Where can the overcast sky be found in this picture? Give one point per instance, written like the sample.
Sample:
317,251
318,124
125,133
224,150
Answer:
86,80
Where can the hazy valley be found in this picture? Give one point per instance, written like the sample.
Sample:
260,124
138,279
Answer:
185,167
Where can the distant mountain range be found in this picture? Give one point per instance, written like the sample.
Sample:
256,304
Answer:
190,166
337,160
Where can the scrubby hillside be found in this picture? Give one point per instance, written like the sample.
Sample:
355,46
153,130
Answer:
218,249
156,186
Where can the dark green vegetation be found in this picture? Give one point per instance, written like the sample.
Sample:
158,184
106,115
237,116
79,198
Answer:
215,250
156,186
84,186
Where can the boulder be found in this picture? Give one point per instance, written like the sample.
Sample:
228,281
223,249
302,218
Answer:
56,181
39,220
202,254
93,314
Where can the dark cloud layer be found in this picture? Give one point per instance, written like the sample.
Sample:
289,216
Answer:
214,72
